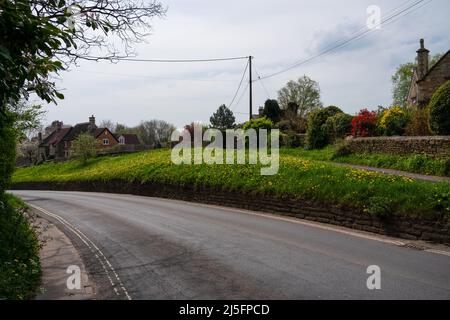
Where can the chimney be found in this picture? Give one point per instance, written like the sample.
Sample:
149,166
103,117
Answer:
58,125
92,120
260,111
422,60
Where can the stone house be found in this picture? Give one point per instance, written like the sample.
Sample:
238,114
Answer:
425,80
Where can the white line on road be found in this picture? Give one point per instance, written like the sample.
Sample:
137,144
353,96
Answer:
92,247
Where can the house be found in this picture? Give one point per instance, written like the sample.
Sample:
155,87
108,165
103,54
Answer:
426,81
53,147
58,144
128,138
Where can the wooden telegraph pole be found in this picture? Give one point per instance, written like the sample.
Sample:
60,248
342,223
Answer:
250,86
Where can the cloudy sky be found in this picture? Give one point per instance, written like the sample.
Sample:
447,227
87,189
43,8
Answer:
278,33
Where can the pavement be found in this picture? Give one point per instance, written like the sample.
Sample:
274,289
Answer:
57,254
411,175
146,248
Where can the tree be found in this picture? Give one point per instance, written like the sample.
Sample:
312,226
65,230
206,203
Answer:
439,110
84,147
272,110
108,124
222,119
28,150
338,126
40,38
305,93
121,129
317,135
401,80
156,133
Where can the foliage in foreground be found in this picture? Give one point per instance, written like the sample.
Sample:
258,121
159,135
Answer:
20,269
297,178
439,108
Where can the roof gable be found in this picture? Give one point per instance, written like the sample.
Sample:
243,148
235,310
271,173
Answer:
441,60
99,131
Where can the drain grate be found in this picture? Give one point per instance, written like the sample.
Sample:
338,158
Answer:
415,246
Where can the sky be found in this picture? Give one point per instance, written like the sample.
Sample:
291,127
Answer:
277,33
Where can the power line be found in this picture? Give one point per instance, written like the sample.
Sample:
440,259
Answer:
262,84
180,60
345,42
149,77
240,98
240,84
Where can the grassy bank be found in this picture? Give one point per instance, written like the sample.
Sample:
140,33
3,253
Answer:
20,269
416,163
297,178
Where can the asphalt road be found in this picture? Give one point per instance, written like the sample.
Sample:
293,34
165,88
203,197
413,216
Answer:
147,248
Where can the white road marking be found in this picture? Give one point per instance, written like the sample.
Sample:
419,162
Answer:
93,248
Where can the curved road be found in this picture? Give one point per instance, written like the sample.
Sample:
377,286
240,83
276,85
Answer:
147,248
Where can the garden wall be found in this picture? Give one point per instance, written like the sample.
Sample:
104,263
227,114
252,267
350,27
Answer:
435,229
435,146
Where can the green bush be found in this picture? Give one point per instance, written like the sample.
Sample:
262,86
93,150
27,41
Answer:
439,108
20,269
379,207
316,134
393,121
418,122
341,150
446,167
441,201
260,123
292,139
338,126
7,151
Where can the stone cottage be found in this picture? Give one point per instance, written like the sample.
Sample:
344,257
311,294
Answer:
426,80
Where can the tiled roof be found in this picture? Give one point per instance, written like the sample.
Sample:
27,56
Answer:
130,138
435,65
77,130
56,136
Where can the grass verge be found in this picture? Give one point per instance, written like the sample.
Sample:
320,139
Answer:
20,269
415,163
298,178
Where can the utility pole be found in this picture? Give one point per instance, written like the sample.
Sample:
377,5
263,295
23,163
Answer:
250,86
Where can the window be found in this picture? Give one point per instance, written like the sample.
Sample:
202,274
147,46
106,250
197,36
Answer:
106,142
122,140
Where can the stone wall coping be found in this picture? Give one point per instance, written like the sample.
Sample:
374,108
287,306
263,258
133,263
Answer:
401,138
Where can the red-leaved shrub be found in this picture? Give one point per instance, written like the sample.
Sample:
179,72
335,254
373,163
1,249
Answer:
364,124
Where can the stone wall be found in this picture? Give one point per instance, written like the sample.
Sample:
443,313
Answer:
436,229
435,146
